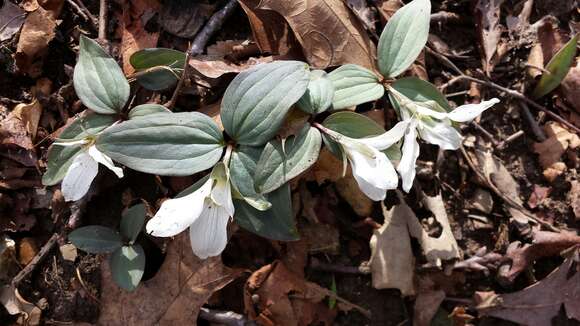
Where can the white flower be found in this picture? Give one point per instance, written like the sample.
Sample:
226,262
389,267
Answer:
371,168
434,127
205,211
84,169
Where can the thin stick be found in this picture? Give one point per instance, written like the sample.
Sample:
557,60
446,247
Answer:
211,27
103,13
508,91
87,12
538,132
35,261
83,14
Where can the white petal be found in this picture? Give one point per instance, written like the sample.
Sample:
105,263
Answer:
435,114
386,140
221,193
374,173
441,134
68,143
176,215
105,160
410,153
79,176
208,235
469,112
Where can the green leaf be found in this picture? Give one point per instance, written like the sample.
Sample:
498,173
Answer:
158,68
277,223
98,79
278,164
165,144
355,125
354,85
146,109
558,68
132,221
419,90
242,169
61,157
258,99
404,37
319,94
96,239
127,266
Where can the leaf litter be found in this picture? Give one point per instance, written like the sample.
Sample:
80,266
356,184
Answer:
413,246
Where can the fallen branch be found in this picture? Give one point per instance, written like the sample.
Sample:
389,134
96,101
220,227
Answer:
510,92
35,261
211,27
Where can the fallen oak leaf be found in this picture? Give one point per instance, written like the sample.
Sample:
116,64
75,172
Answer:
328,31
173,296
536,305
38,30
544,244
134,35
392,263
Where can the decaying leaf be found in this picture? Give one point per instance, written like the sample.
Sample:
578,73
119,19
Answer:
328,31
173,296
134,35
12,18
273,295
184,18
544,244
387,8
350,191
37,32
15,304
570,86
392,263
443,247
538,304
487,13
551,150
214,67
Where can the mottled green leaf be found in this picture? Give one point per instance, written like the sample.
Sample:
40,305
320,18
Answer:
276,223
98,80
281,162
404,37
146,109
166,144
132,221
319,94
127,266
96,239
256,102
158,68
354,85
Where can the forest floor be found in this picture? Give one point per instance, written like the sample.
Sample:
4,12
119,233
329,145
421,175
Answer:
509,198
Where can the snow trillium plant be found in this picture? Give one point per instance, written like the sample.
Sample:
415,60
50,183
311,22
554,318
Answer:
251,162
84,169
206,211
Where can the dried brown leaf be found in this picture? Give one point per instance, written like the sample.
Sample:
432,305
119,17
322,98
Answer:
392,263
551,150
12,18
538,304
570,86
134,35
487,15
273,295
574,198
37,32
330,34
544,244
173,296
